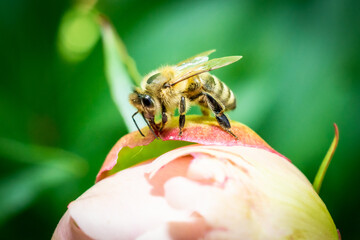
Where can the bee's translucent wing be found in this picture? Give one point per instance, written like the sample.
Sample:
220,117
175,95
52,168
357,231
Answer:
204,67
195,60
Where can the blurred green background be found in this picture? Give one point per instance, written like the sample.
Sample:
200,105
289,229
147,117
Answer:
299,74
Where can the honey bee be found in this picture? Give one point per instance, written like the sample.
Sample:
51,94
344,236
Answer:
180,86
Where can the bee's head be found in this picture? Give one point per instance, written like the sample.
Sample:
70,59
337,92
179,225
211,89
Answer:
144,103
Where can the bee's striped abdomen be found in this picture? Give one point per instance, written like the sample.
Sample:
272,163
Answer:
218,90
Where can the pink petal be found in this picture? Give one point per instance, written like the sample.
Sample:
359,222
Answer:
241,191
205,192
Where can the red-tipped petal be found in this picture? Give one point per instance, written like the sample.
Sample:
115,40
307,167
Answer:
198,129
130,140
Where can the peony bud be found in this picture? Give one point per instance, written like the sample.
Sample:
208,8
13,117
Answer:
220,188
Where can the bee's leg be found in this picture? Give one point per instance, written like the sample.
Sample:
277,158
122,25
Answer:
218,110
182,109
205,111
164,117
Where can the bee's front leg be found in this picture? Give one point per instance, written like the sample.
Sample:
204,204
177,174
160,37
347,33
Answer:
182,111
155,126
164,117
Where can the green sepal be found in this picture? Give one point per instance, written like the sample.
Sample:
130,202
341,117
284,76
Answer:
326,162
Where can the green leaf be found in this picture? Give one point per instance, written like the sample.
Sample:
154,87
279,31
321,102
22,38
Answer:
326,162
128,157
121,71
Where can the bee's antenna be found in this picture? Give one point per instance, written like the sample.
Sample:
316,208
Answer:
136,124
149,125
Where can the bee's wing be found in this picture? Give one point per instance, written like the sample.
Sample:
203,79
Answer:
195,60
204,67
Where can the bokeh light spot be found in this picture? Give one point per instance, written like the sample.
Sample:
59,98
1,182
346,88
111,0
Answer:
78,34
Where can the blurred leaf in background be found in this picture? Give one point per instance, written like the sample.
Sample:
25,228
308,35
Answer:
299,74
117,66
47,168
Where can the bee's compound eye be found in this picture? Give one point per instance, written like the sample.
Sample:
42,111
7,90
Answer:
147,101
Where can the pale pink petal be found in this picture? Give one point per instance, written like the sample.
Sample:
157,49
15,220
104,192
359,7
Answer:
68,230
127,205
191,229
